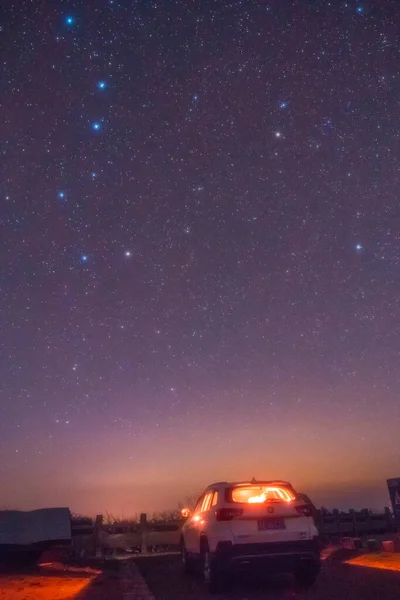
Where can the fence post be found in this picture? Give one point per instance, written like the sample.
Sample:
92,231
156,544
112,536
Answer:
96,535
389,520
143,531
369,522
355,522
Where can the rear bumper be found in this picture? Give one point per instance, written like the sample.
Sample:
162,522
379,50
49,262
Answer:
275,557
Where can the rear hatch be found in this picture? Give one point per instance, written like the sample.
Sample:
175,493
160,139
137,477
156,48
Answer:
266,513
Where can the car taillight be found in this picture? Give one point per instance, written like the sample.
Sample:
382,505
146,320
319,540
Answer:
304,510
227,514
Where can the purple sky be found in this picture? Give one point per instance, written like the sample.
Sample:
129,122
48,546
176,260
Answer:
200,250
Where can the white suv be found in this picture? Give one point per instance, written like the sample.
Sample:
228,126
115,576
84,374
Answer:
256,522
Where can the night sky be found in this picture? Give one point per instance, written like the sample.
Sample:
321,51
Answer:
200,250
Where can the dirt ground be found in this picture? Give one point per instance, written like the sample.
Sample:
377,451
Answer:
47,582
337,581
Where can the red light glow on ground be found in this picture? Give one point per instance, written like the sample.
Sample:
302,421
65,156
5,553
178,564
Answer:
389,562
49,582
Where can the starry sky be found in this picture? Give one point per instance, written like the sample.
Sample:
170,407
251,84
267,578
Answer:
200,250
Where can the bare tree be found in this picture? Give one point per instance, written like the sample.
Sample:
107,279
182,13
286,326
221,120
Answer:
190,501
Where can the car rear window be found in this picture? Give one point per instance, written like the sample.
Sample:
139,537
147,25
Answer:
259,493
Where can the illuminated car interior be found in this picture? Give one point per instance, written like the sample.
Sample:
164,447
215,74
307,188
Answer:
257,494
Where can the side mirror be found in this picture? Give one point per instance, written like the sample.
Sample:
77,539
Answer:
185,513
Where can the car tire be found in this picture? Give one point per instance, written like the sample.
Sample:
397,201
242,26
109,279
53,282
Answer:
305,578
186,561
213,573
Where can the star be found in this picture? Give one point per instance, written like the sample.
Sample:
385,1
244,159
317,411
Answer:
195,97
84,258
360,9
96,126
69,20
61,195
359,247
128,253
101,85
283,105
278,134
94,175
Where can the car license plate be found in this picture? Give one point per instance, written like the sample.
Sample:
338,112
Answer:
271,524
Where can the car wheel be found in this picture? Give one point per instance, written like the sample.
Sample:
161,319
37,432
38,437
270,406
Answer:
305,577
213,574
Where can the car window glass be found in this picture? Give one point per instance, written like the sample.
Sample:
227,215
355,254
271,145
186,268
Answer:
198,504
215,499
207,502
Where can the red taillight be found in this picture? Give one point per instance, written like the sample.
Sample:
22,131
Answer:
227,514
304,510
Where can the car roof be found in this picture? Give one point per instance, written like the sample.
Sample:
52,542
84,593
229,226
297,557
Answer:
249,482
